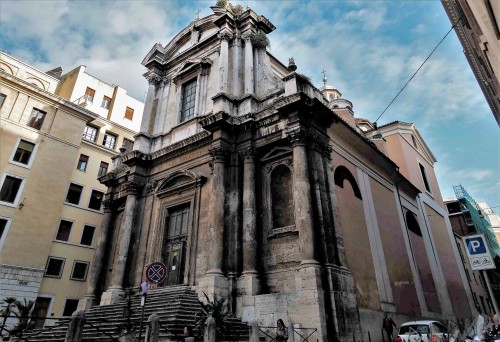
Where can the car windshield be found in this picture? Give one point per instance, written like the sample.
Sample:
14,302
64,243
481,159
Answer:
414,329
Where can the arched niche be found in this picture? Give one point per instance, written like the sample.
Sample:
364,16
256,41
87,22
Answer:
282,210
341,174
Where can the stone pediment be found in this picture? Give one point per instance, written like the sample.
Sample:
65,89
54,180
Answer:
276,153
178,181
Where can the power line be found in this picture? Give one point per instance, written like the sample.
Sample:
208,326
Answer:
420,67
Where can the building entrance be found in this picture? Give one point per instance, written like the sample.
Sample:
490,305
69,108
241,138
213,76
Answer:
174,251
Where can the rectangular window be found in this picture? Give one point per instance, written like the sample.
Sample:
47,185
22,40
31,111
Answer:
3,230
64,230
106,101
74,193
36,118
103,169
424,177
178,221
82,163
54,267
23,152
88,235
187,100
10,189
79,271
128,144
109,140
89,95
90,133
70,307
2,99
129,113
96,200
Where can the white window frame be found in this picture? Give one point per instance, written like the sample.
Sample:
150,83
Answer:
86,270
420,163
48,322
96,133
47,265
70,233
32,158
19,192
6,231
86,163
104,140
93,236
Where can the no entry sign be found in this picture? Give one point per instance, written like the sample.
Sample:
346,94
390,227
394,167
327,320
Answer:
156,272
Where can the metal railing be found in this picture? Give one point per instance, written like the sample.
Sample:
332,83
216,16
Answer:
304,334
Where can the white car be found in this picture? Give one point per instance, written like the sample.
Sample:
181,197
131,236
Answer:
422,331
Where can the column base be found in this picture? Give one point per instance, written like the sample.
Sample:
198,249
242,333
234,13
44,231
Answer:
308,276
86,302
112,295
249,283
214,284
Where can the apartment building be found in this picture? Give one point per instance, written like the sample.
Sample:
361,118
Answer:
54,146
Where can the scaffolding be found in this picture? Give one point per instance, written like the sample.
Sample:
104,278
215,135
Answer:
482,225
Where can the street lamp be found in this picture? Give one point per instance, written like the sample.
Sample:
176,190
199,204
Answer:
144,290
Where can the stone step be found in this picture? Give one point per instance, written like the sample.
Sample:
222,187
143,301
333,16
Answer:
176,306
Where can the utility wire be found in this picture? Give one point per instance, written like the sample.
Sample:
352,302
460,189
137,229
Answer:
420,67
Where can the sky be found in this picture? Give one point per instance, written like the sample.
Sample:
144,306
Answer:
369,49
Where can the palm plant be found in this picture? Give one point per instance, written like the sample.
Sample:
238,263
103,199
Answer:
217,309
23,311
5,313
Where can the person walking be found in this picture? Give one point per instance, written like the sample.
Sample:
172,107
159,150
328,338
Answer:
281,331
387,326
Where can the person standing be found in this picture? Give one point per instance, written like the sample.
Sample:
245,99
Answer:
281,331
387,326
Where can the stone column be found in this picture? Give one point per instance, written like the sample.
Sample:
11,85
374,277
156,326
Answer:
302,197
223,60
248,63
75,327
95,269
236,65
217,209
115,290
250,275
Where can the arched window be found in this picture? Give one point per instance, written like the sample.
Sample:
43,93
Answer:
412,223
341,174
282,197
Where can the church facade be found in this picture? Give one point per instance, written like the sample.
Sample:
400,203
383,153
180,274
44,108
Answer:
253,185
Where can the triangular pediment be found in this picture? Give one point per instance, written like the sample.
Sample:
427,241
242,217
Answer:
277,152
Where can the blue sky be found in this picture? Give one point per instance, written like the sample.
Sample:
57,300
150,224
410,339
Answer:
368,48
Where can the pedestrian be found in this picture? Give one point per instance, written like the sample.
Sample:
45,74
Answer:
387,326
281,331
188,336
493,331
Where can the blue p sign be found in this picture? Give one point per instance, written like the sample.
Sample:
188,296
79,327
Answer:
476,245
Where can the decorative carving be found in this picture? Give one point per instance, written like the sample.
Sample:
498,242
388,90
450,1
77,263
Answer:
133,188
248,155
106,204
321,145
247,36
298,137
165,80
151,185
153,78
219,154
227,36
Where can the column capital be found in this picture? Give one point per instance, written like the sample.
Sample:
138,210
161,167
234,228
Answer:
248,155
247,36
298,137
219,154
227,36
107,204
321,144
133,188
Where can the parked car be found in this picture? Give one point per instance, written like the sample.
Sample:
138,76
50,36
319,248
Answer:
422,331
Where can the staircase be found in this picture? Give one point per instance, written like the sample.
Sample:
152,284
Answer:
176,306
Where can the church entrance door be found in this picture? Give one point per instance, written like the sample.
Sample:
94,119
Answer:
174,256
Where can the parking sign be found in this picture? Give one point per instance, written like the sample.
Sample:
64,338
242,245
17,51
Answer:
478,252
